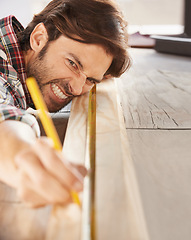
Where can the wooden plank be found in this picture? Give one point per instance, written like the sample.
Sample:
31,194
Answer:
156,94
64,223
162,164
153,98
158,99
18,222
118,206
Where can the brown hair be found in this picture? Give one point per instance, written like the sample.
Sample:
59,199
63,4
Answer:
88,21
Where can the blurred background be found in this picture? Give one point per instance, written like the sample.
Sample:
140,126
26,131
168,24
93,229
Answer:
142,15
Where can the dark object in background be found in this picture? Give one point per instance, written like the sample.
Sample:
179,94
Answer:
60,120
177,44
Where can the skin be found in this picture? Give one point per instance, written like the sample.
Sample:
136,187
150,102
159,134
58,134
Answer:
73,66
65,70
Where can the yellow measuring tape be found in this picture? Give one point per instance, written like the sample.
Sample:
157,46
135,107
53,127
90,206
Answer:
89,215
92,157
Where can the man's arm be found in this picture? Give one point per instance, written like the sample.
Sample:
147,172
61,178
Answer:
39,173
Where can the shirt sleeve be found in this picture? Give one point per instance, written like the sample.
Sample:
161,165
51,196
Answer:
13,105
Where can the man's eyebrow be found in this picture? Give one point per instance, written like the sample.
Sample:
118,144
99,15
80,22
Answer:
93,79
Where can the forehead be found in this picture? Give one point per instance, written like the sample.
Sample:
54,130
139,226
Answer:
91,56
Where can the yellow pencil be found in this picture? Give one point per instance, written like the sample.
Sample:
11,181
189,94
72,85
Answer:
46,121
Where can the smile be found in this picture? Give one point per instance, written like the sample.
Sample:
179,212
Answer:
58,92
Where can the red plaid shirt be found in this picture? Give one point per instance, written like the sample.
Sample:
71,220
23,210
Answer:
14,96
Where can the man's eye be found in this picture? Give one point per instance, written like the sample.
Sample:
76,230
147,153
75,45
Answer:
72,64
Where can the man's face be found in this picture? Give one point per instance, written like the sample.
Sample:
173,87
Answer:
65,68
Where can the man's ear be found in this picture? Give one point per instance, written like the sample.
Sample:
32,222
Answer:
38,37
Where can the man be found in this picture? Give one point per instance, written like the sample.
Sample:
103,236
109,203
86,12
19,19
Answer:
68,47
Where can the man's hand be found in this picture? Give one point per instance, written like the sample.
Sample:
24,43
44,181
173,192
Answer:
39,173
45,177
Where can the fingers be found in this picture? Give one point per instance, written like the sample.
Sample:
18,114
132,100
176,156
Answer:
43,183
80,169
25,192
45,178
59,168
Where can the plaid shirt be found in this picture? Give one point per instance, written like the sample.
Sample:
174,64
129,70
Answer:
14,96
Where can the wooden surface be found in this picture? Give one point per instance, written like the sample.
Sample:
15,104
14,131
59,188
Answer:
163,169
156,100
17,222
112,180
143,167
118,207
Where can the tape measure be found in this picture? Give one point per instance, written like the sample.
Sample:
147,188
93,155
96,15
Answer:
89,213
92,158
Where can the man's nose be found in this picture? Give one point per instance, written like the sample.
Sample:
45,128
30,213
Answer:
77,84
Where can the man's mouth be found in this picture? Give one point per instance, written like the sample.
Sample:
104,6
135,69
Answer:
58,92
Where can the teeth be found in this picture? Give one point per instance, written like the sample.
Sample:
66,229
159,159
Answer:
58,92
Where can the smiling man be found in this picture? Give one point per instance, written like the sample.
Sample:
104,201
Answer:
63,69
68,47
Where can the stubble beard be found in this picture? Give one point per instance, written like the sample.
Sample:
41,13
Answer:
38,69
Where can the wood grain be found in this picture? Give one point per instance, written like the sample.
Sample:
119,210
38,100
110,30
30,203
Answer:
18,222
118,206
162,165
158,99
